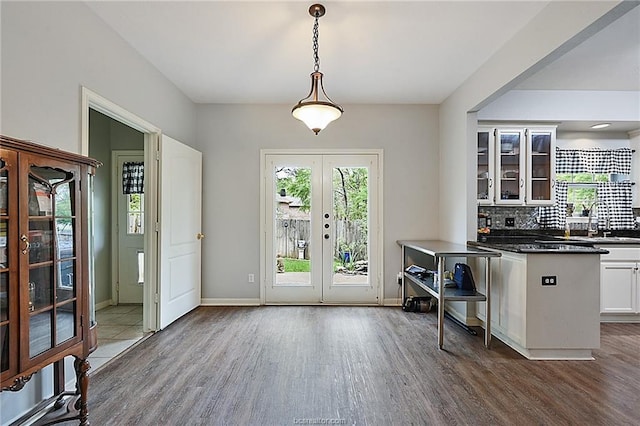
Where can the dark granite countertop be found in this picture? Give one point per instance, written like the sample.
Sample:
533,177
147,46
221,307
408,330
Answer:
537,246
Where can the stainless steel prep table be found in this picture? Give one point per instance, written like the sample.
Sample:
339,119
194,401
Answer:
440,250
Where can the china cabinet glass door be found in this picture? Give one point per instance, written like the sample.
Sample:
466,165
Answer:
49,247
8,263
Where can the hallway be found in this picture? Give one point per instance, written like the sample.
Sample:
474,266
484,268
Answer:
119,327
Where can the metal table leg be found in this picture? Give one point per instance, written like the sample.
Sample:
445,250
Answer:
440,263
487,280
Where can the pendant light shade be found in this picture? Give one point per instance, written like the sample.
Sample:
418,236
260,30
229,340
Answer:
316,110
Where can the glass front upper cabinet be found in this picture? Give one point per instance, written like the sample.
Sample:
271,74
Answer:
540,165
510,162
485,166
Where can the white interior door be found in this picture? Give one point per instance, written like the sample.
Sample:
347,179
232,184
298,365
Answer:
130,229
321,230
180,186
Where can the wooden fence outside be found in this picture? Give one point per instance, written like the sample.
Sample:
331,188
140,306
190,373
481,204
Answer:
289,232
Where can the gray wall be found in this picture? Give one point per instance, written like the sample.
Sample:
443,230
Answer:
230,138
106,135
564,24
49,51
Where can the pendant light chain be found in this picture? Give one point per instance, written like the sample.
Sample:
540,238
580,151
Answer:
316,58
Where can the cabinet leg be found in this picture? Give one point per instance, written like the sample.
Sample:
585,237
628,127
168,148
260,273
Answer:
82,366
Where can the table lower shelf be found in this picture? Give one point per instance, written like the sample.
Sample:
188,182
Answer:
450,293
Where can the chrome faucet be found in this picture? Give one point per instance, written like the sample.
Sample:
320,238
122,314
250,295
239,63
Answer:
592,232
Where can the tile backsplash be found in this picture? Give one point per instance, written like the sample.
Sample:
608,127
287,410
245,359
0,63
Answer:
523,217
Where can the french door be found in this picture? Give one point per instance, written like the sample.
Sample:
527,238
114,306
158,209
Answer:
321,228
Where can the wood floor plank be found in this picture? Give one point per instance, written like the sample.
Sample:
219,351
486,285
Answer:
356,365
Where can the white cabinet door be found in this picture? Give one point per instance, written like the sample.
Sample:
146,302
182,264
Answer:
618,287
512,299
510,166
485,167
540,166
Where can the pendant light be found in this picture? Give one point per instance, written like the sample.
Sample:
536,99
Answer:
316,110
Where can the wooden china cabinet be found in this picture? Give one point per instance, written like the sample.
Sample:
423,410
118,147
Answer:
46,311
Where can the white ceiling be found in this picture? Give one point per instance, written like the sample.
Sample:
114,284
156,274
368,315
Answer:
370,52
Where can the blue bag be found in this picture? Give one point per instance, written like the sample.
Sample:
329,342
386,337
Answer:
463,277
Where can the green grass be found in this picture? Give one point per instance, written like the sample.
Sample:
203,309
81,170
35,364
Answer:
300,265
296,265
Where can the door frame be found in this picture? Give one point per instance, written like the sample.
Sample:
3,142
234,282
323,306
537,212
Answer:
377,257
92,100
115,213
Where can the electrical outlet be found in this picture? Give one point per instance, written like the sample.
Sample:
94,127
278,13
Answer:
549,280
252,278
510,221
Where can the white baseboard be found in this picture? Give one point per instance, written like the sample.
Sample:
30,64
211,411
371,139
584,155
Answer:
393,301
103,305
229,302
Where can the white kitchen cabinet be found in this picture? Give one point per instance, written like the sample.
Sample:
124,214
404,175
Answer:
620,284
532,316
510,166
515,165
508,290
486,165
541,166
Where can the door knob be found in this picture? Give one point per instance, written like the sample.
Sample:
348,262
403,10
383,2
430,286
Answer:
200,236
326,236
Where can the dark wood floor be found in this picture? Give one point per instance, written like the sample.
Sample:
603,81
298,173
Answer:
356,365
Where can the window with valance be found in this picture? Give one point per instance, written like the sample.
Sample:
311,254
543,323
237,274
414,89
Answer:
610,203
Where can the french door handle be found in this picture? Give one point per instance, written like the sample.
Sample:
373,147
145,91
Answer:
326,236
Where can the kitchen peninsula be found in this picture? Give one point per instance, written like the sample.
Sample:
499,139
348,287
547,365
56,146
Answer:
546,297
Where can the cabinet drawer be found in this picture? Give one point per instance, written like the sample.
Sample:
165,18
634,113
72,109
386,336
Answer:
621,253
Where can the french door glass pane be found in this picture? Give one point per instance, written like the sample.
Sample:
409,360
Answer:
350,226
292,228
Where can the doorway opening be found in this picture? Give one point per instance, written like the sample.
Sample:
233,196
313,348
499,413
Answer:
123,283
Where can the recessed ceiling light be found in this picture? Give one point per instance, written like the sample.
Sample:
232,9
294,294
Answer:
600,126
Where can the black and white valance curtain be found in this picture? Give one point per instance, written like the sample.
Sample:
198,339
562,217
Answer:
594,160
615,205
133,177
